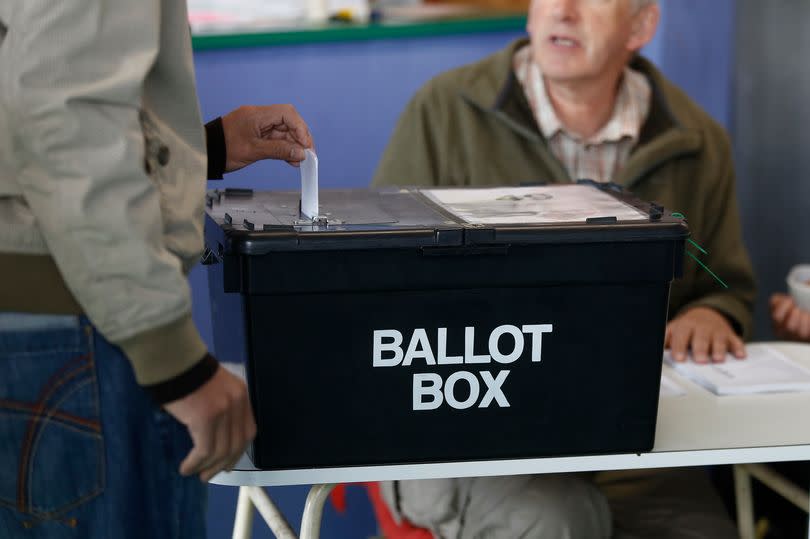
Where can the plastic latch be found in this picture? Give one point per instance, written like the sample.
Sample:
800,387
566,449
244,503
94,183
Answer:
228,219
656,211
601,220
238,192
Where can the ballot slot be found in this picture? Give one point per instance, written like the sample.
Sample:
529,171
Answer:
399,331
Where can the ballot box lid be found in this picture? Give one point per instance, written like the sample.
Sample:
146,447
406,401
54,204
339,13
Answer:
247,222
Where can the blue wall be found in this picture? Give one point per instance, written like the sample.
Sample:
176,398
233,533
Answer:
351,94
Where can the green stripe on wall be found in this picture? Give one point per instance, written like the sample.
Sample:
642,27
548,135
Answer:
350,32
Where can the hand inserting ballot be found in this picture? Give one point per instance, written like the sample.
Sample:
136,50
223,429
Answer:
254,133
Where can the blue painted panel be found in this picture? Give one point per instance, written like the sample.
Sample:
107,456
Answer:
350,93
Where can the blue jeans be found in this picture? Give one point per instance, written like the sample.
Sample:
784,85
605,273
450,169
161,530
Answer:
83,451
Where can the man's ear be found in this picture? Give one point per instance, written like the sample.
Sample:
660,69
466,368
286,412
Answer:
529,17
645,24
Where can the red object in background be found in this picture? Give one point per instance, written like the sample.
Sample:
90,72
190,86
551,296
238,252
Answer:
388,526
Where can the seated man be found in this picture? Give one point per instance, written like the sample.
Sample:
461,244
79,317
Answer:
576,101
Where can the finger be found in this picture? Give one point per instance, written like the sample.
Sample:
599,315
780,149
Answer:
719,346
297,126
221,454
679,340
781,309
237,432
280,149
804,327
250,423
777,299
737,347
700,346
794,320
200,454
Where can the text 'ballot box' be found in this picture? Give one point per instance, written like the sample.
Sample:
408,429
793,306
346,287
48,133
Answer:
409,325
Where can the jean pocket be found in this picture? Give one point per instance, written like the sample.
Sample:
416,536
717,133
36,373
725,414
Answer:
51,443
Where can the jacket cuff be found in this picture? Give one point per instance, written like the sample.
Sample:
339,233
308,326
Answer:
163,353
185,383
737,314
215,147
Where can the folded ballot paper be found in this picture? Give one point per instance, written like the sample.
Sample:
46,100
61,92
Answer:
765,370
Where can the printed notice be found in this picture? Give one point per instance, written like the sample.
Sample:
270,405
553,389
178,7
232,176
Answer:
533,205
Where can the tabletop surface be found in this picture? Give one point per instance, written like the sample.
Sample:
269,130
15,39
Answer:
697,428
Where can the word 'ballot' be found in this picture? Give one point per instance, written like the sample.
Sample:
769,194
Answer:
430,390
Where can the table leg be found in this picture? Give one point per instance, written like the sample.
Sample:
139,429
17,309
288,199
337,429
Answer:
779,484
243,522
272,516
313,511
745,503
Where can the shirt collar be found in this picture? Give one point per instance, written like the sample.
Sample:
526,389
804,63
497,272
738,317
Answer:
629,112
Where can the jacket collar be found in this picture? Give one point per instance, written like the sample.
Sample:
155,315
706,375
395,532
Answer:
663,136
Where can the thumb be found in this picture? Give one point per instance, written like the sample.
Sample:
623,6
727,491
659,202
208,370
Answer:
280,149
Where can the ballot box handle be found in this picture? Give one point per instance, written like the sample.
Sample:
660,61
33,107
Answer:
468,250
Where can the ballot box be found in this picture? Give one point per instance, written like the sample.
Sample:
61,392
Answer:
412,326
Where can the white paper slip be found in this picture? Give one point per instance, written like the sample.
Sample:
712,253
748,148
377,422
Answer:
765,370
669,388
309,185
532,205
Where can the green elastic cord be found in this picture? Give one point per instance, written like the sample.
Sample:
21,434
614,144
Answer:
701,249
704,266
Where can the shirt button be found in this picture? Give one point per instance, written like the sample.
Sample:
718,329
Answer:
163,155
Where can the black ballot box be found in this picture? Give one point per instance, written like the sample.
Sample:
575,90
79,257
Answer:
414,326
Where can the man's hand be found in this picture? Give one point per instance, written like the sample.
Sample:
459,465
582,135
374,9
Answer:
789,321
220,421
706,332
267,132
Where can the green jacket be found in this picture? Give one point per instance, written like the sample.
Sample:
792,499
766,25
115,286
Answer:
473,126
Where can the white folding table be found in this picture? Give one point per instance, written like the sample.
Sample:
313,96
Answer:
694,429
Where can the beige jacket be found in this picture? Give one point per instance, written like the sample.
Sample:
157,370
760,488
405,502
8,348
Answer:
102,171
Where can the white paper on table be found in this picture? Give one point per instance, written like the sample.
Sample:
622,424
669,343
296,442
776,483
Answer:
309,185
765,370
532,205
670,388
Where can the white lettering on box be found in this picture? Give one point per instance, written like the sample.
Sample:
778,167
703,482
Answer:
394,346
461,389
421,390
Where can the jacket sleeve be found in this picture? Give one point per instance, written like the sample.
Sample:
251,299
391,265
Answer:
413,156
721,236
215,148
75,96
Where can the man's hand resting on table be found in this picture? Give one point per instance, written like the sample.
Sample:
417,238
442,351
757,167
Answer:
220,421
705,332
265,132
789,321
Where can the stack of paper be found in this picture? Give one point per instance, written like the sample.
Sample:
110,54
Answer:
765,370
669,388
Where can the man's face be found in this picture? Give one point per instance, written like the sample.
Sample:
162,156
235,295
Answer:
576,40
